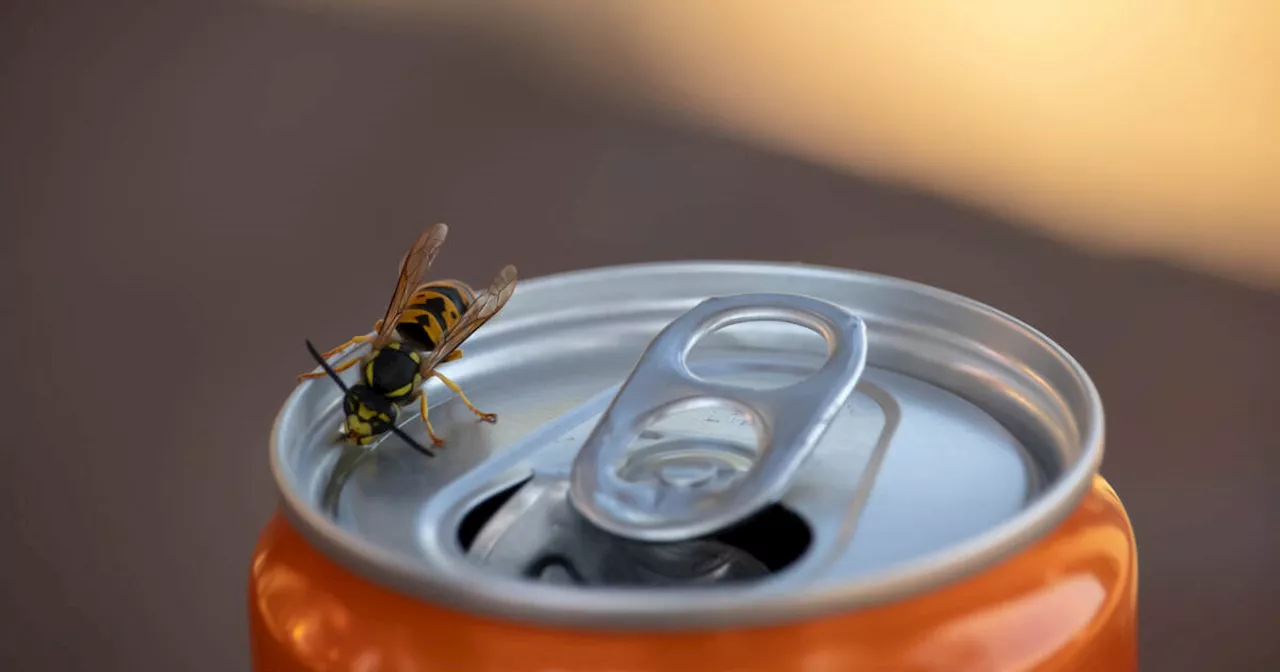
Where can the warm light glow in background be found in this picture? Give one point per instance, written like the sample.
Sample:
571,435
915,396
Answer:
1148,126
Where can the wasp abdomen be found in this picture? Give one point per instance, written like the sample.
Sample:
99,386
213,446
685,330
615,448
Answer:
433,309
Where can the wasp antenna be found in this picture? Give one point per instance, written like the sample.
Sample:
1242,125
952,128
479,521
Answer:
409,440
315,354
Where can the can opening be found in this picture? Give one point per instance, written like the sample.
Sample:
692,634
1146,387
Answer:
531,532
481,513
776,536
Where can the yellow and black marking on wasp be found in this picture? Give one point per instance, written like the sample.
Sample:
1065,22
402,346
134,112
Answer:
367,413
431,322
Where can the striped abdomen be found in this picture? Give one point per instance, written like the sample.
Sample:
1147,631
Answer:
433,309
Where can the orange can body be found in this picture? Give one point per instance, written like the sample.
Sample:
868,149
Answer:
1066,602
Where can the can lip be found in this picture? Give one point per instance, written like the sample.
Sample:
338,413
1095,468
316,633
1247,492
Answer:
598,608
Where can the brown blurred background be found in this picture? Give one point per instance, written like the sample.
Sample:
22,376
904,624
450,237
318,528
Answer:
188,190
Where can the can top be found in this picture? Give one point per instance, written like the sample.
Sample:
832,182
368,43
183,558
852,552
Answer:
956,435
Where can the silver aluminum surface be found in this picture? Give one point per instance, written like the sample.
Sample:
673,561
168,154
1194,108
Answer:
968,436
538,523
790,421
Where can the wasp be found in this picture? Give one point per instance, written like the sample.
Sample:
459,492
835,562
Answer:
420,330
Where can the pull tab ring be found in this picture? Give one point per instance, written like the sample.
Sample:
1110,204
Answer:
789,422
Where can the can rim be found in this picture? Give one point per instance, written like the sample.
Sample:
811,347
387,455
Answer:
595,609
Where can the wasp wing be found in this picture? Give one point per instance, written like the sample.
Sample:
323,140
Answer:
412,269
485,306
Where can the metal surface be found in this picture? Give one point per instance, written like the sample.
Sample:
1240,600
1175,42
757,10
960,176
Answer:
656,502
537,524
968,436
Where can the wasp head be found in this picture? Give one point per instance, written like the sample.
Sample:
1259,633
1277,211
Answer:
368,415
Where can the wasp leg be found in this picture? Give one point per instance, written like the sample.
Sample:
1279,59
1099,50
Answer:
346,365
422,404
362,338
456,354
337,369
354,339
487,417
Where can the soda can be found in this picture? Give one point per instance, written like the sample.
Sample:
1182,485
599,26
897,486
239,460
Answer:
713,467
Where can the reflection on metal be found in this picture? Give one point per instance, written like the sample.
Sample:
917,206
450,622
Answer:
537,534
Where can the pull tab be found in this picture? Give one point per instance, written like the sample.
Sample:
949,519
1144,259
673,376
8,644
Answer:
789,422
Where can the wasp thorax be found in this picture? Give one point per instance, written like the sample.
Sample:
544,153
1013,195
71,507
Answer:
367,414
392,371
